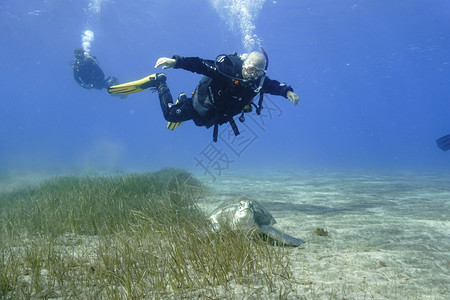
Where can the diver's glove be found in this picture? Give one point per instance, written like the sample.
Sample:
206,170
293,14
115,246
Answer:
166,62
293,97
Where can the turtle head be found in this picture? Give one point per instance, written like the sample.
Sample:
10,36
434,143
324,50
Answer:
245,215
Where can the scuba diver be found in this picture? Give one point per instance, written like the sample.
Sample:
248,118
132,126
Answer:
88,74
444,142
228,87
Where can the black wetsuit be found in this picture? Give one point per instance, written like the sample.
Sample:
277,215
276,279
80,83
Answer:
87,72
225,97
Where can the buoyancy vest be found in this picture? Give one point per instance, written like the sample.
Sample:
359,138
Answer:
218,101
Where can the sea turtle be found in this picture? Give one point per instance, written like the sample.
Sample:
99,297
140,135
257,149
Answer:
243,213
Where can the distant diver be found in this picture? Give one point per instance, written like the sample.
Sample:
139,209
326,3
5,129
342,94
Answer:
444,142
88,74
228,87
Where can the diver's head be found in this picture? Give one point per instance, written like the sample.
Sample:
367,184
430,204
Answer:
254,65
79,53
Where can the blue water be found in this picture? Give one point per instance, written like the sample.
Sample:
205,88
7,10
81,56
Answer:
373,79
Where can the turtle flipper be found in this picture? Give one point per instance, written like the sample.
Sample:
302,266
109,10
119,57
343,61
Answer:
279,237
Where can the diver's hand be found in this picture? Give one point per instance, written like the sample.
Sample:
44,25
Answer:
166,62
293,97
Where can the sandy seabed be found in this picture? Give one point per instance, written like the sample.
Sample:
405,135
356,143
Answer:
388,234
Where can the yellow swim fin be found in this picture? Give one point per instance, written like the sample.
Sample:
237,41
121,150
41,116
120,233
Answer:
173,125
135,86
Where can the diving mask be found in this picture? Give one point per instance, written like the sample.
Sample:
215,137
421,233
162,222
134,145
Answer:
254,65
249,71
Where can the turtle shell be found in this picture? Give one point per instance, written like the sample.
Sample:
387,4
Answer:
228,208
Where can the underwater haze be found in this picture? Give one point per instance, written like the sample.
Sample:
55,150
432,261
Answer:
354,169
373,78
